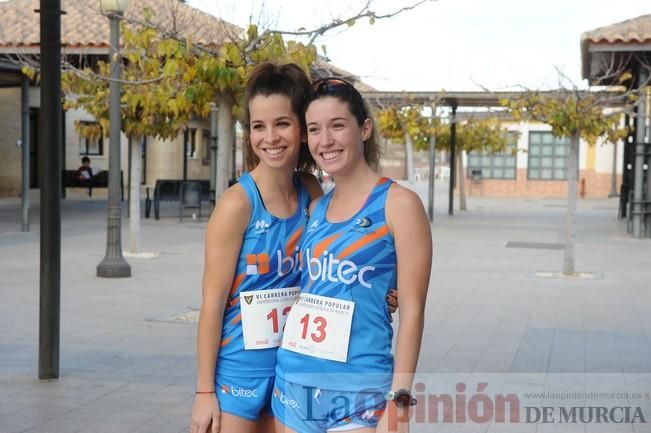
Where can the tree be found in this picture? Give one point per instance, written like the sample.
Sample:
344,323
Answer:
238,57
409,126
575,115
481,135
159,96
167,79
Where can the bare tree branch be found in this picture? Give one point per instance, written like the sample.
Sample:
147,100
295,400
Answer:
313,34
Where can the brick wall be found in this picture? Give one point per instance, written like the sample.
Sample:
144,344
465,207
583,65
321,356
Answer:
597,185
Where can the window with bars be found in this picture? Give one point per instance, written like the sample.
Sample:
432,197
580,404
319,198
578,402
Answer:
547,156
501,165
205,147
190,138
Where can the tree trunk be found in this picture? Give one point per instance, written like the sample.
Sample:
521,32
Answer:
570,217
134,188
224,142
409,151
462,182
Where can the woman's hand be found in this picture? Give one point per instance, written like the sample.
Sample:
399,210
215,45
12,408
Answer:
392,302
205,414
393,420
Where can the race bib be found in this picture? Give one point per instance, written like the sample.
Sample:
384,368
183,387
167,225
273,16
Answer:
264,313
319,326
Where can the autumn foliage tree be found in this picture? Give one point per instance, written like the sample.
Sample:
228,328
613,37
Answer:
574,115
159,96
167,80
410,126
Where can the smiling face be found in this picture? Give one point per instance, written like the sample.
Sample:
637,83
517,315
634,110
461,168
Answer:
275,131
335,138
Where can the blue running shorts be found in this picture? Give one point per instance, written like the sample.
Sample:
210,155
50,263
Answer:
308,409
248,397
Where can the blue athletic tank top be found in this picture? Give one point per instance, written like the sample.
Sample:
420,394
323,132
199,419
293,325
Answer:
365,241
268,260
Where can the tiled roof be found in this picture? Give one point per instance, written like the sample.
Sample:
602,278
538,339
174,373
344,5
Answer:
633,34
635,30
84,25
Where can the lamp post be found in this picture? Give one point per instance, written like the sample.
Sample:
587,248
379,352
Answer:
113,265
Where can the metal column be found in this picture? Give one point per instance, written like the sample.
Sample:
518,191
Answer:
50,166
640,148
432,169
453,158
25,153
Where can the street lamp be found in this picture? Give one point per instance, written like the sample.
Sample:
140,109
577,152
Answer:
113,265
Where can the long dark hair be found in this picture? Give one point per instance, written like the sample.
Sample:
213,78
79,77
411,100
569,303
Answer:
272,79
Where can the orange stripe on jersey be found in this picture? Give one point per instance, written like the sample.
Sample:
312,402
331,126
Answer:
236,319
225,341
321,246
293,240
383,180
233,302
236,283
359,243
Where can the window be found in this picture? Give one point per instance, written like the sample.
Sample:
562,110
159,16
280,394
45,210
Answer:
547,156
495,165
205,147
91,146
190,139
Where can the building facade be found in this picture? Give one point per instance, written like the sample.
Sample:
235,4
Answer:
535,166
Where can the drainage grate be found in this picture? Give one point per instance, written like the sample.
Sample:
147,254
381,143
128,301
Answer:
535,245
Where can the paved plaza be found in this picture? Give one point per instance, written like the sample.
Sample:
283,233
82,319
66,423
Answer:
127,346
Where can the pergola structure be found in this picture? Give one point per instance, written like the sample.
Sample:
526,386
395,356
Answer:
453,100
606,54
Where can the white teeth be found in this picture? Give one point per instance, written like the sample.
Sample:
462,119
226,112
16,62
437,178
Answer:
330,155
274,150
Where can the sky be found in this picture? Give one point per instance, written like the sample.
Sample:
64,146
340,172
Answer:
445,44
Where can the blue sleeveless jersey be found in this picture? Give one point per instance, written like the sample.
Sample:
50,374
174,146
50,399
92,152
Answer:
365,241
268,260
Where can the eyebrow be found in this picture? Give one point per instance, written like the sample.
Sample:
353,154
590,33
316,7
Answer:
275,120
334,119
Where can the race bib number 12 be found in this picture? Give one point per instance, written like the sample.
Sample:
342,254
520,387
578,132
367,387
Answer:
264,313
319,326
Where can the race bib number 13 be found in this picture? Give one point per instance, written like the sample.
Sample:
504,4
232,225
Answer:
264,313
319,326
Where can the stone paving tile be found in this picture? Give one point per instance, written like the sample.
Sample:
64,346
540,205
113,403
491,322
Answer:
485,314
62,425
